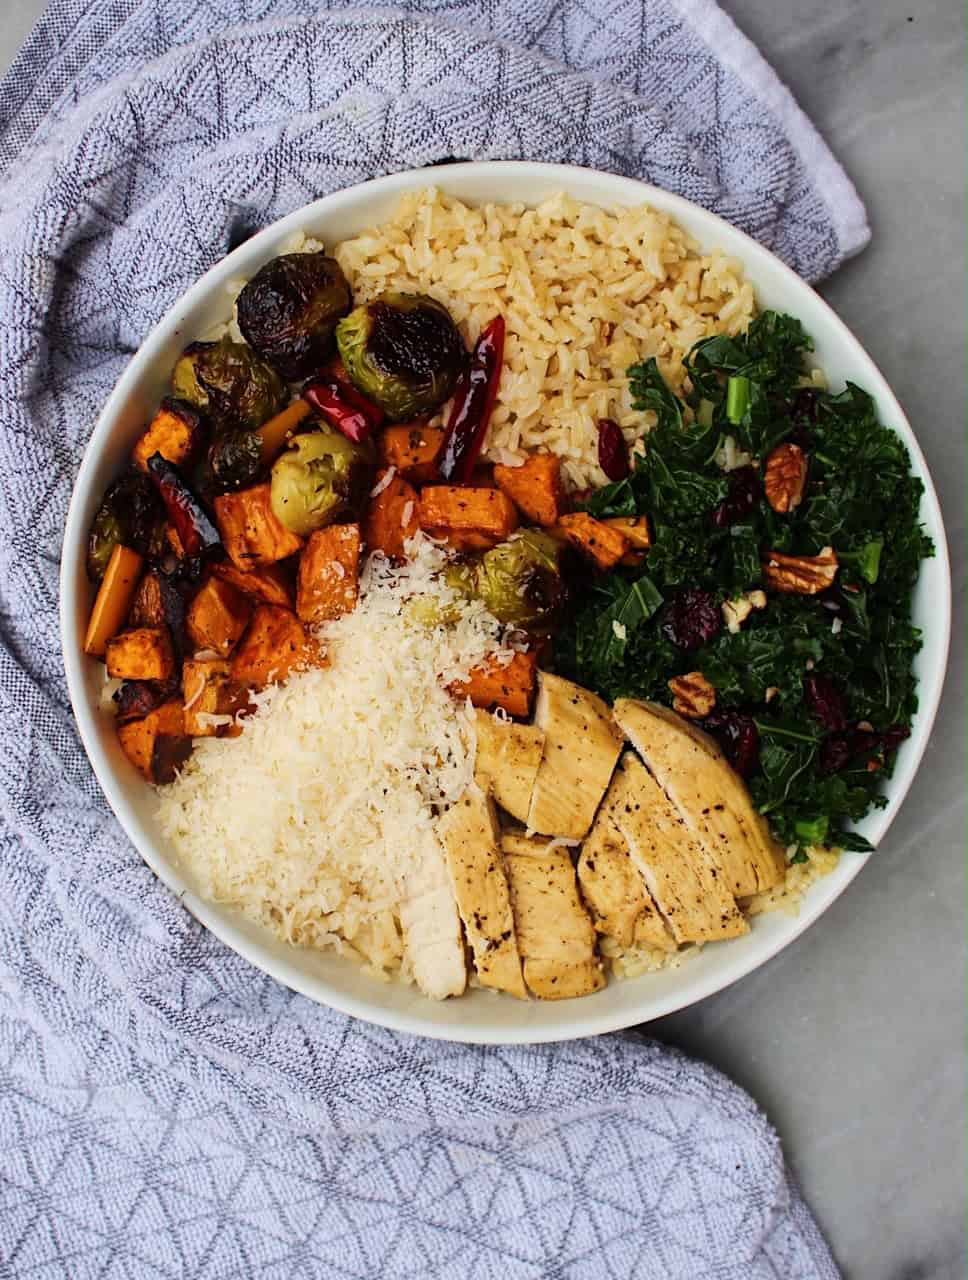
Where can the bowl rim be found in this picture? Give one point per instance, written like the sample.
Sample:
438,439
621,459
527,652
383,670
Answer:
617,189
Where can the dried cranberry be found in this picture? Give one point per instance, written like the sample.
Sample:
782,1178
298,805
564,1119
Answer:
839,749
744,493
806,405
692,618
893,736
835,753
834,603
826,700
739,737
613,454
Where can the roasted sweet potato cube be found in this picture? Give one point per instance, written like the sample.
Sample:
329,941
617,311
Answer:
601,543
144,653
534,487
160,602
250,530
209,690
148,606
485,516
158,744
329,573
113,599
272,584
492,685
275,644
391,517
136,698
413,450
635,528
469,541
176,432
217,616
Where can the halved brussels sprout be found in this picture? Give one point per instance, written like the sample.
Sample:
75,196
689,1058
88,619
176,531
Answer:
235,458
320,477
520,581
429,611
289,309
403,351
129,514
239,390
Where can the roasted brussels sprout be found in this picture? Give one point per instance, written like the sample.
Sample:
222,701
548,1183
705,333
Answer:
520,581
289,309
403,351
429,611
129,513
235,458
318,478
239,390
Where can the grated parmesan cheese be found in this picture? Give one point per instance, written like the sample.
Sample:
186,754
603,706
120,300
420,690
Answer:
318,819
383,482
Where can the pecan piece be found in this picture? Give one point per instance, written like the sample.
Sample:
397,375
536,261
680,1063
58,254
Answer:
735,612
692,695
785,477
800,575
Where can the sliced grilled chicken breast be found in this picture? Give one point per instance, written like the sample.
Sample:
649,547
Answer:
581,747
508,756
432,934
469,834
709,794
519,842
614,891
555,934
687,889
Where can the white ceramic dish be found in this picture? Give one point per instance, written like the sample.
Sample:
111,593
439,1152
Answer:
481,1016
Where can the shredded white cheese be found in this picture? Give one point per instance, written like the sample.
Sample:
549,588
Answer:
383,482
730,456
314,820
620,629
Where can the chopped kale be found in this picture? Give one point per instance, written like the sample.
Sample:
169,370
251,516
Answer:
711,530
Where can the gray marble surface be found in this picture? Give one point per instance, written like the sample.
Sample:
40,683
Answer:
853,1040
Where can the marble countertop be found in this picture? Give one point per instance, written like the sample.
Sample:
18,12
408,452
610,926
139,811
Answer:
853,1039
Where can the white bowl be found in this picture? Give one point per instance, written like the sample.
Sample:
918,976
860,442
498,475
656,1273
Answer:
480,1016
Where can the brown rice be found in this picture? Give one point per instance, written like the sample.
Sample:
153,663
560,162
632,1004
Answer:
584,292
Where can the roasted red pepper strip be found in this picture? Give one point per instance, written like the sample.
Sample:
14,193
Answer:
196,533
344,407
613,454
473,402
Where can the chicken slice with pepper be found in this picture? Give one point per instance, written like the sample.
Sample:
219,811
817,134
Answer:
431,923
507,761
707,792
615,892
687,889
556,937
469,834
581,747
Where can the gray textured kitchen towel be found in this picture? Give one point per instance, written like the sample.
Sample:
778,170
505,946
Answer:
165,1109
